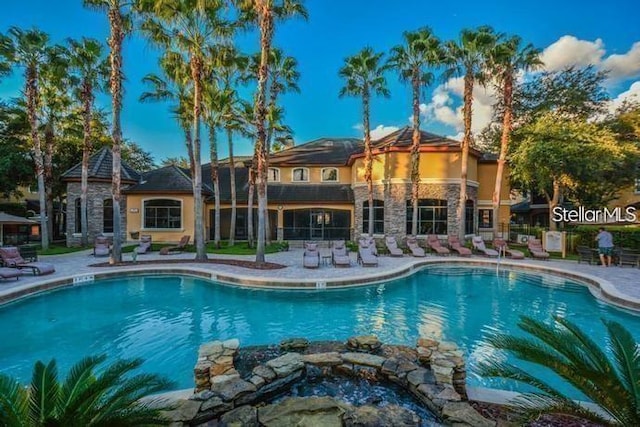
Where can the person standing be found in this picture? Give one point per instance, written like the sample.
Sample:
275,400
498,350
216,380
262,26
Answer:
605,246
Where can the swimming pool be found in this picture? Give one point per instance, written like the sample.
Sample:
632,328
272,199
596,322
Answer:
164,319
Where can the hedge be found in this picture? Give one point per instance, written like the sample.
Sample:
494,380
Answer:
17,209
623,236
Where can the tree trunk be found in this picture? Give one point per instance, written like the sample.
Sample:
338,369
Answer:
196,76
553,202
213,146
415,153
266,33
273,95
504,145
115,44
466,142
250,197
49,138
368,157
87,97
232,183
31,92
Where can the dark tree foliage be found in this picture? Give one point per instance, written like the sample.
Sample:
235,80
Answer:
16,163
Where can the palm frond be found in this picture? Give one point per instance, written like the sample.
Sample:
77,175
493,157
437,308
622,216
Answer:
43,391
14,401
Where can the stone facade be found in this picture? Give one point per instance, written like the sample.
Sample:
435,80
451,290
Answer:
395,196
97,192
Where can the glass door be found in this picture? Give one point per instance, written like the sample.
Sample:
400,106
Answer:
317,225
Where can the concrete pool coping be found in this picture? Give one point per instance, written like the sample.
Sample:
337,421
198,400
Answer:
599,287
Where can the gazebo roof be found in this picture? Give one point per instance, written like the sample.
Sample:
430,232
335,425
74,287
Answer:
6,218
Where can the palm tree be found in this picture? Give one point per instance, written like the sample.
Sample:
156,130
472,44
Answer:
119,14
91,70
29,50
421,50
191,28
612,383
508,58
364,76
468,58
264,12
84,398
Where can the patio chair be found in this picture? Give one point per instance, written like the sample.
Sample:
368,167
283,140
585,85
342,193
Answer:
392,246
536,250
585,254
478,245
501,244
145,244
311,256
9,273
629,257
181,246
369,242
366,255
12,259
454,243
339,254
414,247
28,252
435,245
101,246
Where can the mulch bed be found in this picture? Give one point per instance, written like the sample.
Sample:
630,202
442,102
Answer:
234,262
506,417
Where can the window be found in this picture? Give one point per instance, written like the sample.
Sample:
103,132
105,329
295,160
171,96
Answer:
78,221
300,175
378,217
330,175
162,213
469,220
107,216
274,175
432,216
637,186
485,218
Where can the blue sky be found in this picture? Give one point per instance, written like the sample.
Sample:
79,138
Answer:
571,32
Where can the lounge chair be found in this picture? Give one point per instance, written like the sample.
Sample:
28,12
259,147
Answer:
535,249
501,244
392,246
366,255
311,256
145,245
478,245
629,257
435,245
181,246
12,259
101,246
454,243
412,244
9,273
369,242
586,254
339,254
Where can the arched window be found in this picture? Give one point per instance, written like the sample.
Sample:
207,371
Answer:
378,216
107,216
300,175
162,213
432,216
78,219
329,175
274,175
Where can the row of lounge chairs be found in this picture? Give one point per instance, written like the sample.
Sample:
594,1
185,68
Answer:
367,254
14,264
102,246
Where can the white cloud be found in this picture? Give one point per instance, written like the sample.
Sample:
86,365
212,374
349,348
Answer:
382,131
623,66
569,50
632,94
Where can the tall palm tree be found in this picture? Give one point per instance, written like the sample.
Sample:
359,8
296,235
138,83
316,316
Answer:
264,12
421,51
611,382
119,13
508,58
468,57
190,27
29,50
91,71
85,397
364,76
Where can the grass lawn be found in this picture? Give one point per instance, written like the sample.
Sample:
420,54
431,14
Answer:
241,248
57,249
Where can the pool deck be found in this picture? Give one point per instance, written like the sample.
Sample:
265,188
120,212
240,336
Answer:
620,285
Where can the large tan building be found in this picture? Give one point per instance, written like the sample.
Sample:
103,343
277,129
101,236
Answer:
316,191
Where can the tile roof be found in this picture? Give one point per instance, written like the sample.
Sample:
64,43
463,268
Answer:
403,138
323,151
100,168
168,179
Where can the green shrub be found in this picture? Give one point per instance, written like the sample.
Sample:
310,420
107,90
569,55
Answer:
17,209
623,236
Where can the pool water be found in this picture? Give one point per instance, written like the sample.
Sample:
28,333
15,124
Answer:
165,319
